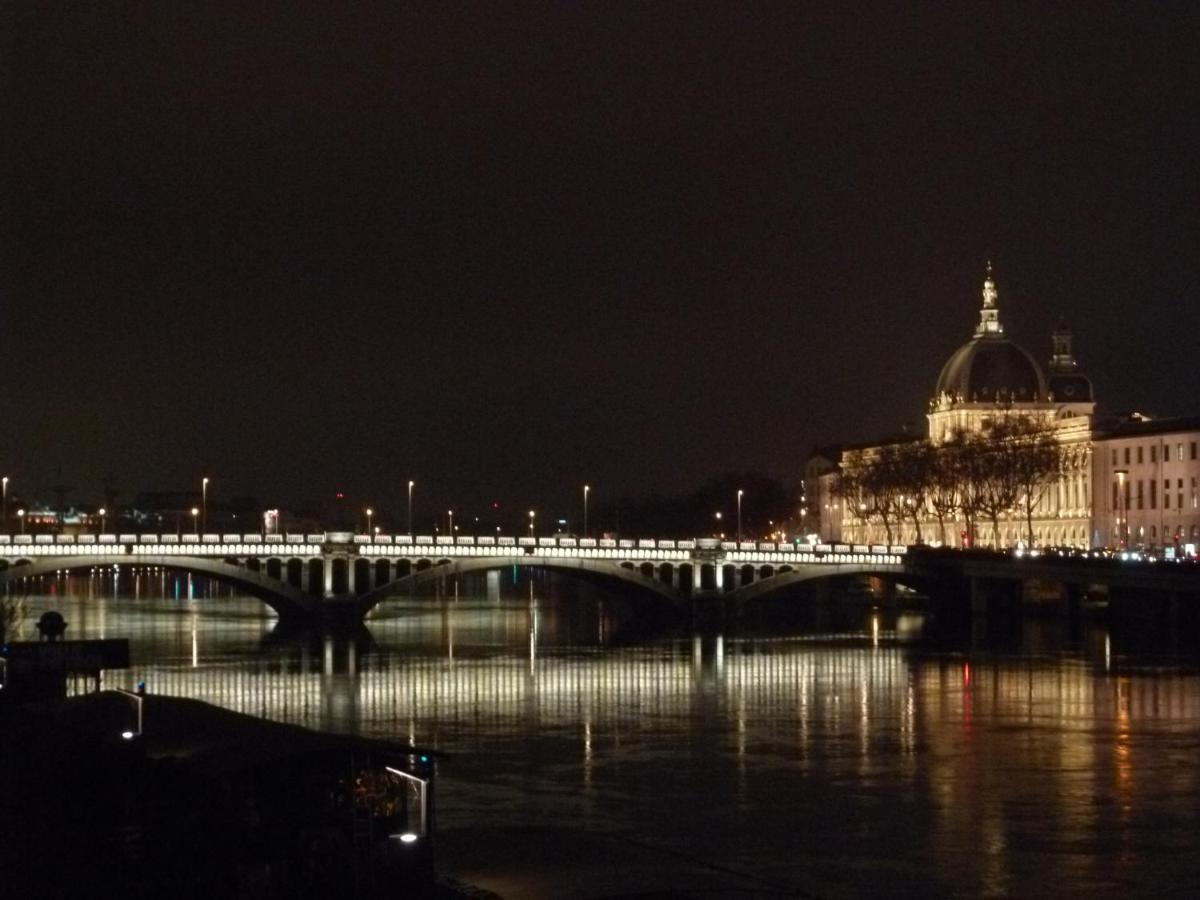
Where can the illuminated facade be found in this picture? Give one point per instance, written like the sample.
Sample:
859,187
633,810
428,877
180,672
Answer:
1149,476
1124,482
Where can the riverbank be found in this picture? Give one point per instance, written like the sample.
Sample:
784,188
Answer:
183,798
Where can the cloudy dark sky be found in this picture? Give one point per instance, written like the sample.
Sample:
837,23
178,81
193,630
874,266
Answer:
507,249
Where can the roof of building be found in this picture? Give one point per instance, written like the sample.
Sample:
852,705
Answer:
1143,427
991,368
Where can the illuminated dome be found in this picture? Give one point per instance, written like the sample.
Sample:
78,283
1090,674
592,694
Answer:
990,367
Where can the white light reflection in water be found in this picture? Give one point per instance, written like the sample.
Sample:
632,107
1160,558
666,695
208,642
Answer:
975,772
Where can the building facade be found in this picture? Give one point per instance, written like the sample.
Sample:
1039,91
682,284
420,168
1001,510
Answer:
1123,481
1149,475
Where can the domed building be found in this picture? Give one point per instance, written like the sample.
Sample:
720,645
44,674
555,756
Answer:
1121,481
988,379
991,375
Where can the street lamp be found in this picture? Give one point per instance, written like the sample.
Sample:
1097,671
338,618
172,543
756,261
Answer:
4,519
1122,511
410,487
103,515
739,522
195,514
531,515
370,512
586,490
450,513
21,518
204,504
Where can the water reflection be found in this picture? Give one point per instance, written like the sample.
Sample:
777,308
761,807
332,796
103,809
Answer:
854,760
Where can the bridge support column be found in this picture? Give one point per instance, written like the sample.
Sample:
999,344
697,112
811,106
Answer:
822,590
327,576
1073,599
978,598
993,596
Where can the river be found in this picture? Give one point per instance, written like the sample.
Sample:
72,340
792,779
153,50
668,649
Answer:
845,751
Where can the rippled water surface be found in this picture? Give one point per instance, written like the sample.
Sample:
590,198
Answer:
842,754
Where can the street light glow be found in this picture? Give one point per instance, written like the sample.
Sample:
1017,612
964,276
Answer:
410,489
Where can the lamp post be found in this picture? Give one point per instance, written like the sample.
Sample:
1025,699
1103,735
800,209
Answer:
4,518
586,490
410,487
450,516
21,519
195,515
103,515
204,504
531,515
1122,512
739,522
370,512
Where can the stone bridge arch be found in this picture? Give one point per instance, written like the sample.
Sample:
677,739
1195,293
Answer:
595,571
288,601
801,573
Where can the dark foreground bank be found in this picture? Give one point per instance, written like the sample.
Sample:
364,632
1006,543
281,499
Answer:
203,802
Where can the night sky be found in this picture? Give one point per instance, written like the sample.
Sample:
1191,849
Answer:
506,250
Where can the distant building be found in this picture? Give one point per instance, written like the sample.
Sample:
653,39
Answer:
1147,474
1124,480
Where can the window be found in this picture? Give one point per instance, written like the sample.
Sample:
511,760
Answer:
1139,452
1153,532
1154,453
1154,494
1139,493
1116,498
1114,456
1179,498
1193,449
1166,498
1179,484
1126,456
1179,450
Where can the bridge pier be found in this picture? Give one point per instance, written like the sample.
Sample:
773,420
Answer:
708,610
994,596
822,591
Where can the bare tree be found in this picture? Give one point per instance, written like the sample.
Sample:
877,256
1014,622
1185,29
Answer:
974,464
887,484
857,486
944,485
1036,460
914,464
998,489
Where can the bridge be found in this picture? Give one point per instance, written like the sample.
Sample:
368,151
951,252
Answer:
341,574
